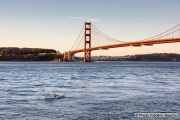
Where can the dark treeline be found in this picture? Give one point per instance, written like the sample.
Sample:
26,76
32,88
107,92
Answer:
28,54
157,57
163,57
11,51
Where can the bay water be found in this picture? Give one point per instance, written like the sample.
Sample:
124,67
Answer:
97,90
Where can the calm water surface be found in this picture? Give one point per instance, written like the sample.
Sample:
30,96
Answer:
98,90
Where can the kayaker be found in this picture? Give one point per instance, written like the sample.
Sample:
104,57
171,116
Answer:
55,94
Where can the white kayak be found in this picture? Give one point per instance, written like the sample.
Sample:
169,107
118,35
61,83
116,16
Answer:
48,97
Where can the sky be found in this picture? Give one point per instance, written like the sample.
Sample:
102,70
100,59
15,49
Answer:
55,24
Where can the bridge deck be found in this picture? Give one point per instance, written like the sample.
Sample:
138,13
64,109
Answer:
126,44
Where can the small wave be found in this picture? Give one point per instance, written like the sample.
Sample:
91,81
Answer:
163,83
110,78
22,100
83,87
65,86
73,78
39,85
1,79
16,114
23,94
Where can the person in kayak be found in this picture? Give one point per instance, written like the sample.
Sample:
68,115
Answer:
55,94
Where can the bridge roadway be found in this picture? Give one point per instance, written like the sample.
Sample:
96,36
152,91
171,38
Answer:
126,44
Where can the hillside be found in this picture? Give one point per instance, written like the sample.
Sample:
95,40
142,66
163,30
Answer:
164,57
27,54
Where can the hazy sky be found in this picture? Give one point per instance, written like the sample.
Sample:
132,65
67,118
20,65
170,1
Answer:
56,23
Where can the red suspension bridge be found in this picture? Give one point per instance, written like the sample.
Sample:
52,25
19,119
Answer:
90,39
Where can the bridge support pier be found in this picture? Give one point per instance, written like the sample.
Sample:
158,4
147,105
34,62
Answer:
71,57
87,42
65,56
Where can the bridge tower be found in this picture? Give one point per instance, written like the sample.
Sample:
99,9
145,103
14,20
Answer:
87,42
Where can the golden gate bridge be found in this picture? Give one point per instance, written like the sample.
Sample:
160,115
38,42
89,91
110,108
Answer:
90,39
